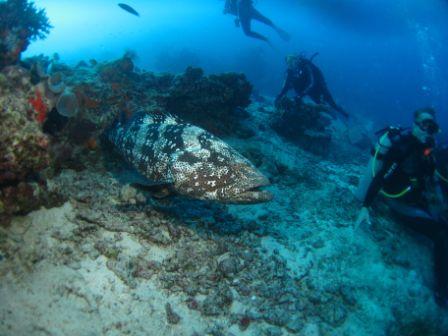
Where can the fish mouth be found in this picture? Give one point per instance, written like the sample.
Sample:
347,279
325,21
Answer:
251,192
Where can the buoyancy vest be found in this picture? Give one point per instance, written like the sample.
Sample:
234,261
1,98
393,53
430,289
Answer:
409,161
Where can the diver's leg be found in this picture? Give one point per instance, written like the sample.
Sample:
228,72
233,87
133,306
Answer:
441,264
316,97
436,230
256,15
327,98
246,25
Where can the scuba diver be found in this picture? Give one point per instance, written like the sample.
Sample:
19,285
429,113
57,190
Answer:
403,169
245,12
307,80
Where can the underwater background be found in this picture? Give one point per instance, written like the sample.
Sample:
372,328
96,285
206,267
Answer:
150,184
381,59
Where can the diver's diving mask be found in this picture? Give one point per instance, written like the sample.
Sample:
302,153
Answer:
429,126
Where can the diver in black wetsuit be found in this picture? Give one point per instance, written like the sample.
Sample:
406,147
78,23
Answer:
307,80
245,12
403,169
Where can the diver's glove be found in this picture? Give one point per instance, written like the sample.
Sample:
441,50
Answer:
363,217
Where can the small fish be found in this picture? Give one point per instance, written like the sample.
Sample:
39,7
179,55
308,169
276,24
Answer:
128,9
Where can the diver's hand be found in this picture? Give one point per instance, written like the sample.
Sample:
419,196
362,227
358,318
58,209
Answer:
237,22
363,217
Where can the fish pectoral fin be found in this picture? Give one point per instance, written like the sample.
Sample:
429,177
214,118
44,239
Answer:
163,192
166,188
157,190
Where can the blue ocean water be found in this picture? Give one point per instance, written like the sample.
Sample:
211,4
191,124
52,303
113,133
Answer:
381,59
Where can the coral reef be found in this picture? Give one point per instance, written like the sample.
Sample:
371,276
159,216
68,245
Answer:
96,94
215,102
23,145
39,106
306,125
74,106
56,83
313,128
20,23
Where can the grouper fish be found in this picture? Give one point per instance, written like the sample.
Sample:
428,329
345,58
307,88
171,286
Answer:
188,159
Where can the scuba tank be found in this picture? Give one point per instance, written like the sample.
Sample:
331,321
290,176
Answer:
375,163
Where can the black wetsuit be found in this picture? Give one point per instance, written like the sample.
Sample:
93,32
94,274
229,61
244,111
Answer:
246,12
307,80
441,155
409,163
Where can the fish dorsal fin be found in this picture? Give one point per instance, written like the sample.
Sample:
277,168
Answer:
156,117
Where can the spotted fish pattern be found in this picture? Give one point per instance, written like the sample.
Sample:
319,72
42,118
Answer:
189,159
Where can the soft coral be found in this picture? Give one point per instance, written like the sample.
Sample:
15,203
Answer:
39,106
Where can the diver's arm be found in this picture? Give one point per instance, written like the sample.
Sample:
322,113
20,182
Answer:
372,191
389,164
377,181
375,187
285,88
311,83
